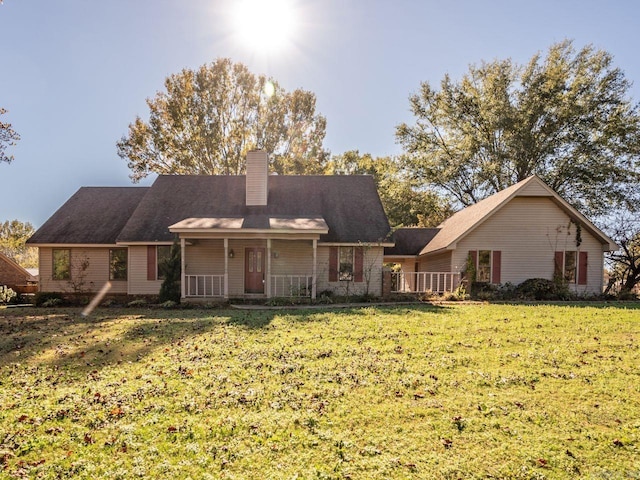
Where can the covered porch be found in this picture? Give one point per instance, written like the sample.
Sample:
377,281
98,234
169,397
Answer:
235,258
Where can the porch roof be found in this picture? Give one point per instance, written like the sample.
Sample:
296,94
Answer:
251,223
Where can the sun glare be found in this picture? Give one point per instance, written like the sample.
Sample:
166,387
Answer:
264,25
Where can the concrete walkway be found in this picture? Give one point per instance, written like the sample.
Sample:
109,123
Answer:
327,306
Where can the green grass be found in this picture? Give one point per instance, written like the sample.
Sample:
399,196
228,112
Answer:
454,391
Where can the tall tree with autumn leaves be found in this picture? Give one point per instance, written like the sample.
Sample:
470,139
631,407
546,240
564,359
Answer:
206,120
8,138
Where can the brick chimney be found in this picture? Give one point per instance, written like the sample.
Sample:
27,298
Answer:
257,175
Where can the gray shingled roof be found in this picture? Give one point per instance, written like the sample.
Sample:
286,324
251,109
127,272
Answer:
349,205
409,241
93,215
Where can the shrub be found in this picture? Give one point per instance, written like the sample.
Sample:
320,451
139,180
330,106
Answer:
542,289
7,294
41,298
171,270
140,302
53,302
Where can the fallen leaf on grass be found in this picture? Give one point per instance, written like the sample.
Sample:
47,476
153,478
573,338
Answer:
116,412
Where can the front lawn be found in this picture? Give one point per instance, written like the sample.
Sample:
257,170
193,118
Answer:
452,391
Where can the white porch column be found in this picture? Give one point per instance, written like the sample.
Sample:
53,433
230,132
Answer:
183,285
314,279
226,268
268,279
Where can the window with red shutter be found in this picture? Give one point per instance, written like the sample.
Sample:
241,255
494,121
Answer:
582,268
333,264
496,263
358,264
151,263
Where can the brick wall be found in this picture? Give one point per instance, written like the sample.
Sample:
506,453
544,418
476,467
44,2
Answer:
10,275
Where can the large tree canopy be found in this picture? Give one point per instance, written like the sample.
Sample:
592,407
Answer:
206,120
566,118
404,202
13,236
625,230
8,137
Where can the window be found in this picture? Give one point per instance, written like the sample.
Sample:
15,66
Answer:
345,270
163,255
570,266
61,264
118,264
488,265
484,266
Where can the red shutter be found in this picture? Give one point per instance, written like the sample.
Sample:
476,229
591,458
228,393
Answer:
333,264
558,270
582,268
358,264
495,266
474,258
152,270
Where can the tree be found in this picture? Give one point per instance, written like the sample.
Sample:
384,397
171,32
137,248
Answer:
207,119
171,271
13,235
565,118
404,203
8,138
626,261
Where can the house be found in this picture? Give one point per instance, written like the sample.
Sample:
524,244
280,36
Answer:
256,235
15,277
525,231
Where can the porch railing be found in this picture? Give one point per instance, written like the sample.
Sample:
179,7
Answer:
419,282
291,285
204,285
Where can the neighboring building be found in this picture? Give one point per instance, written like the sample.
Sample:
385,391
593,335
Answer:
525,231
15,277
257,235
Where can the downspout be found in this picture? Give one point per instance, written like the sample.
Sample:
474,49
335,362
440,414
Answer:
182,268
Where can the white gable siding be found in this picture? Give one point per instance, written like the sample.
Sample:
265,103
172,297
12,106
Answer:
94,277
528,231
533,189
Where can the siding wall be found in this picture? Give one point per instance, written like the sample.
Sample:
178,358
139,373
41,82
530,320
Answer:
437,263
294,258
206,257
372,266
95,276
138,283
528,230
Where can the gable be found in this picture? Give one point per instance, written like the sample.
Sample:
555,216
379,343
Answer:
462,223
11,273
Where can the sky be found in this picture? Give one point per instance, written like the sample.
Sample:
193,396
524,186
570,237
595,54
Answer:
75,73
